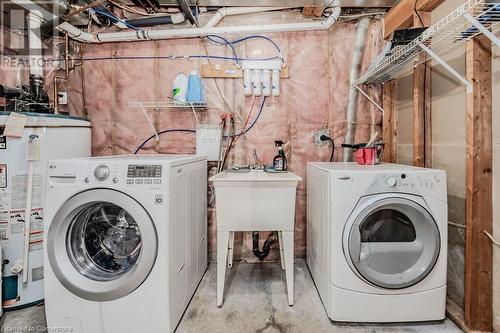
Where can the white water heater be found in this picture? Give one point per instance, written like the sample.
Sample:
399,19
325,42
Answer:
22,189
1,263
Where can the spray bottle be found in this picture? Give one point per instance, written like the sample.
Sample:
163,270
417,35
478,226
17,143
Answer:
279,161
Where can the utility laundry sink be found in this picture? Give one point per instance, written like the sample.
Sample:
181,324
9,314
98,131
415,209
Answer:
254,201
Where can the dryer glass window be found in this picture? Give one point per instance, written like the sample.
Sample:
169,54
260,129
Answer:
387,225
394,243
104,241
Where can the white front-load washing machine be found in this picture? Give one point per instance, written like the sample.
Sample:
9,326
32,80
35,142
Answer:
126,241
377,241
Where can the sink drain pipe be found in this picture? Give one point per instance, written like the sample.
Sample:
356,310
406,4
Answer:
271,239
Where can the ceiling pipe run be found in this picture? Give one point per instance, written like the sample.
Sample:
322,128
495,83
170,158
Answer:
141,35
229,11
352,105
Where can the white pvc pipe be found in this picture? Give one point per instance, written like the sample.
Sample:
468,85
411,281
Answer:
353,92
35,43
27,220
129,36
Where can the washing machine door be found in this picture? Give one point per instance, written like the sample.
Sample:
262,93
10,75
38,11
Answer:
392,242
102,244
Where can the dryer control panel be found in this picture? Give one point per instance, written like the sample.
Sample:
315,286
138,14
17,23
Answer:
402,182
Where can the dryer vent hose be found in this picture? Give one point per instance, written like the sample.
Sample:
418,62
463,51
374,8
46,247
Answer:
273,238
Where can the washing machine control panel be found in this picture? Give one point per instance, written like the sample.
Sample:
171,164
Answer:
144,174
143,171
101,172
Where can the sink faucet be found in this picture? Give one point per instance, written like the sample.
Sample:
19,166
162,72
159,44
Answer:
257,165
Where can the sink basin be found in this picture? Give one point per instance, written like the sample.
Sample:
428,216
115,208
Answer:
255,176
255,200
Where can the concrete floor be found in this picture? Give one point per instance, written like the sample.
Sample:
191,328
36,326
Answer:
255,301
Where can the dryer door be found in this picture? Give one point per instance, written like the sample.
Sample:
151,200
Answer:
392,243
102,244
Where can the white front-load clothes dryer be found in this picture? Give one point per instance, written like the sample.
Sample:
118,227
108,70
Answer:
125,242
377,241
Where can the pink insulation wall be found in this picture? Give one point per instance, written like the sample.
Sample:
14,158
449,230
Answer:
315,96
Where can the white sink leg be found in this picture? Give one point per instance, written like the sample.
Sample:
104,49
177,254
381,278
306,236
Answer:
222,251
282,254
288,249
231,247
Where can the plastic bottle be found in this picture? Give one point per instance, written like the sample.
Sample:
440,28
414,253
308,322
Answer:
280,161
179,88
195,88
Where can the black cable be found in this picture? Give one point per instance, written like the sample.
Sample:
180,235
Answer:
185,130
162,132
416,12
327,138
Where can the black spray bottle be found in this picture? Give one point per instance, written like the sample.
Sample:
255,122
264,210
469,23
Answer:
279,161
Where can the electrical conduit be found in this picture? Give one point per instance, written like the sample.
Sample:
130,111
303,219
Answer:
352,105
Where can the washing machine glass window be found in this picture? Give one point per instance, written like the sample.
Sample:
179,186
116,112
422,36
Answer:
393,243
102,244
104,241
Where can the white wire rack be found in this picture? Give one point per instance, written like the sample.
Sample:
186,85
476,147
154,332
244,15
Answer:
472,18
166,105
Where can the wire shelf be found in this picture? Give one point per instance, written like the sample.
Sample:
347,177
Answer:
447,34
166,105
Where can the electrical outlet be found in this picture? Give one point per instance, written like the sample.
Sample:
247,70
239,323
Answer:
317,136
62,98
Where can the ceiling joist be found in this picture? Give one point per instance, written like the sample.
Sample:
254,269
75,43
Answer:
401,15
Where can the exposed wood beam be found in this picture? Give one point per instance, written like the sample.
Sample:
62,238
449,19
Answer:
456,315
422,126
315,11
479,216
401,15
389,121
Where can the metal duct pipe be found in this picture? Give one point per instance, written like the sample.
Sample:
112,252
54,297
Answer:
140,35
352,105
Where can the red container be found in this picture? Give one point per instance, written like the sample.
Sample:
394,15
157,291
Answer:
369,156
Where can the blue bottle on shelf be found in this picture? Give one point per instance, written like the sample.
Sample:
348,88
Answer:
195,88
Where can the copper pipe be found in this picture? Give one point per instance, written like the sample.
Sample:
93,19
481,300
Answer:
66,71
82,76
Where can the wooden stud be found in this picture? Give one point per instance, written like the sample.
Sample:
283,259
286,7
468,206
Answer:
389,121
456,315
479,204
422,126
316,11
401,15
232,71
